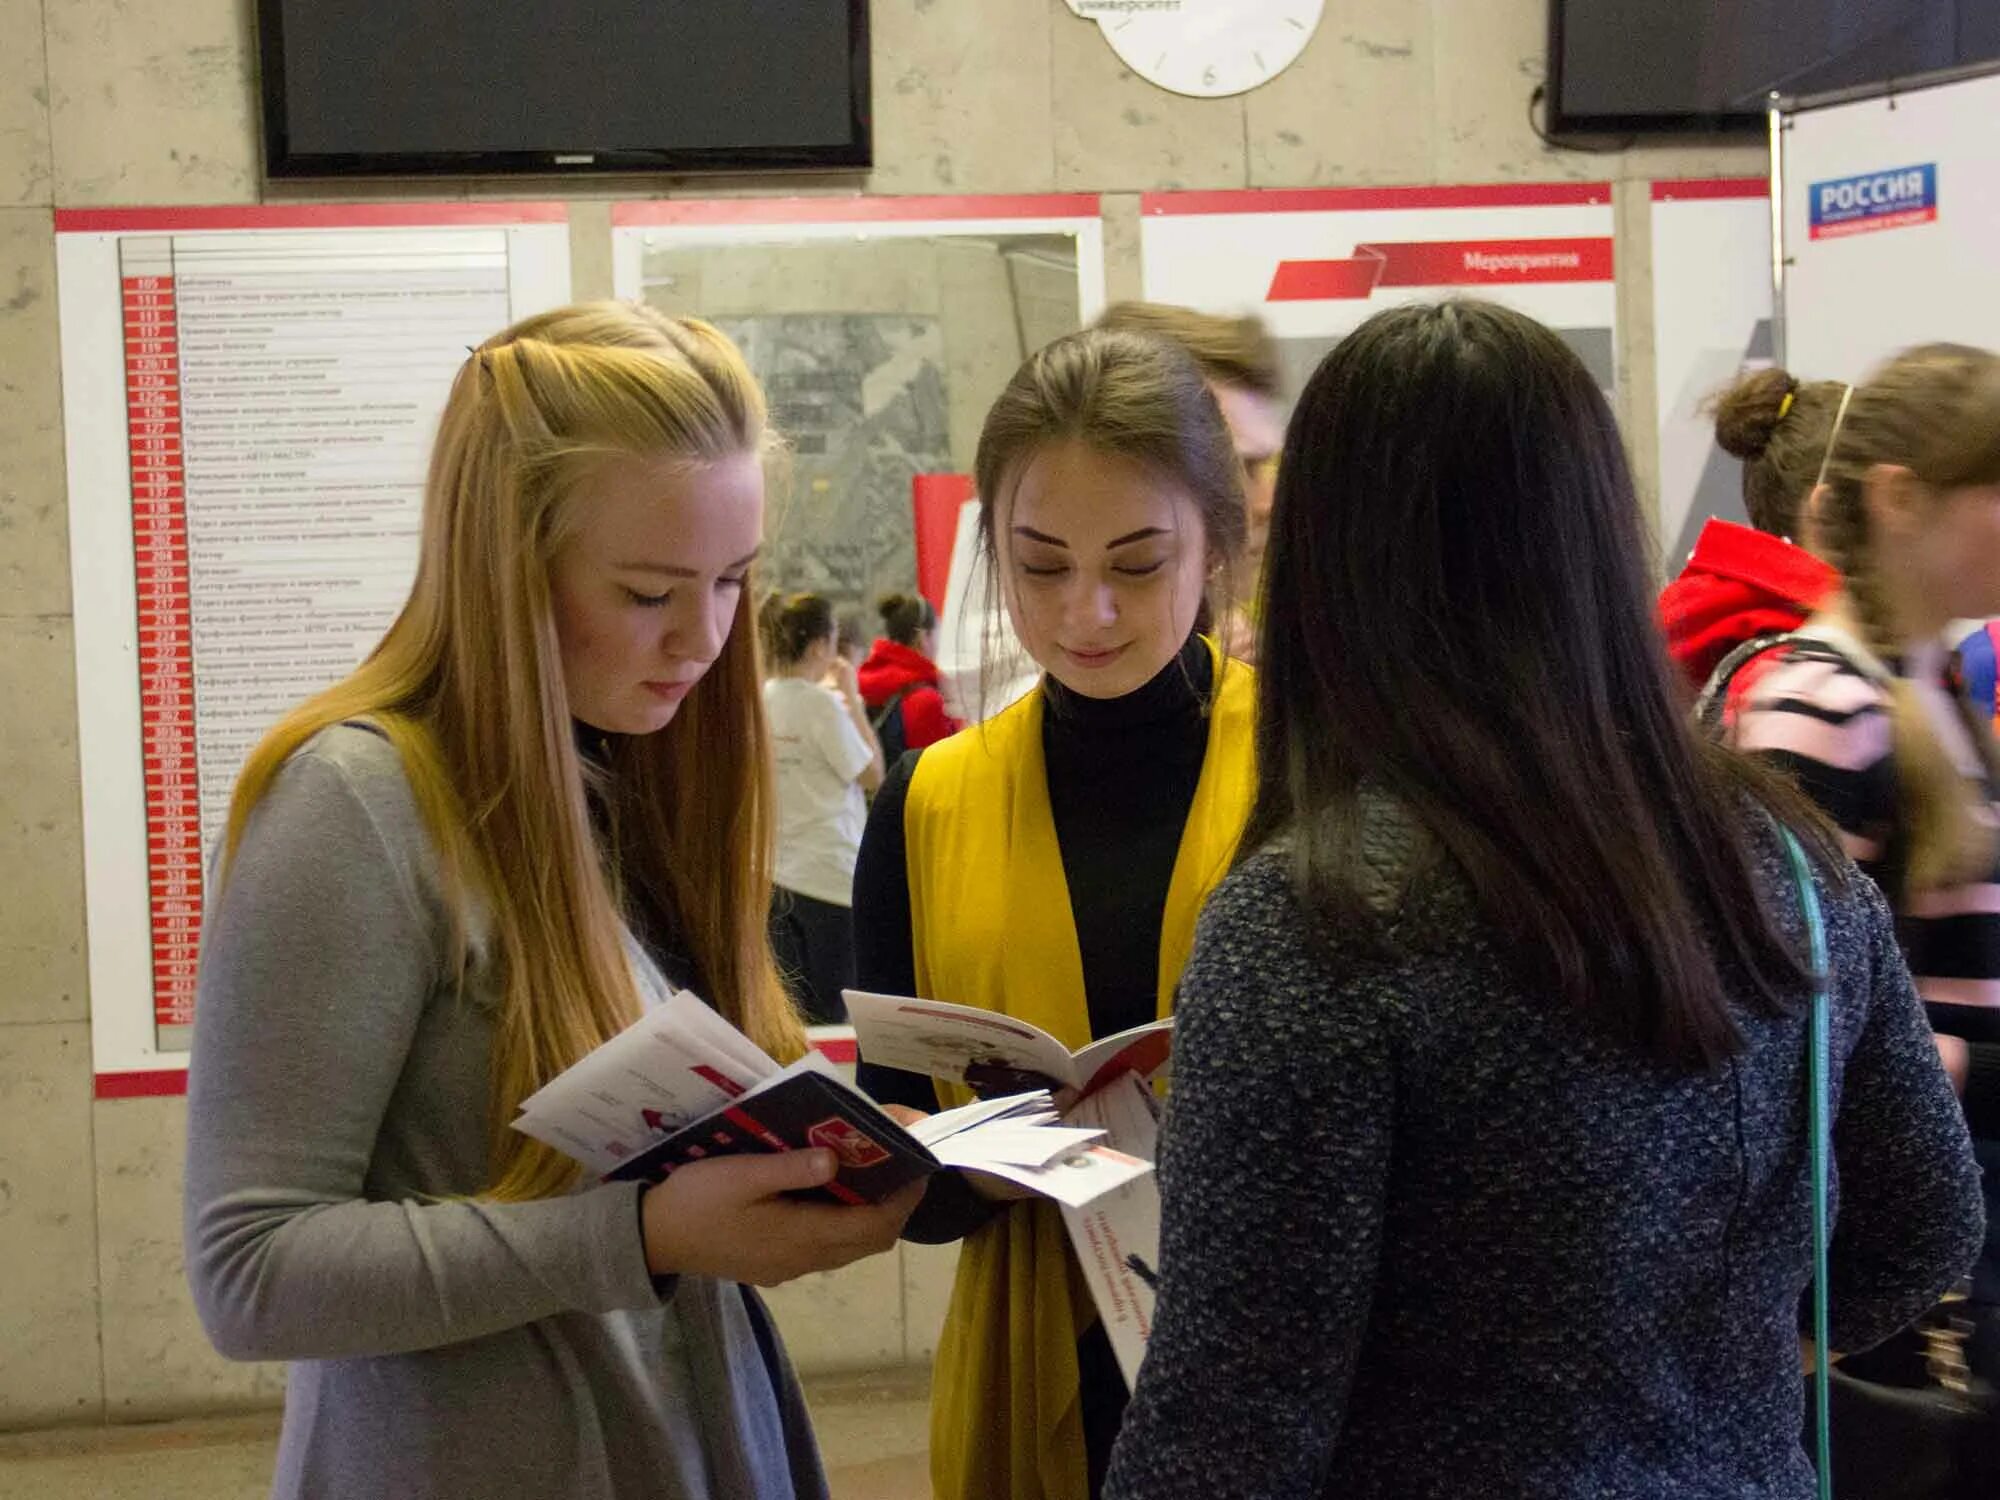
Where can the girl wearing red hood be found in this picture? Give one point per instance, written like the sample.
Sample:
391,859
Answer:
1741,582
899,681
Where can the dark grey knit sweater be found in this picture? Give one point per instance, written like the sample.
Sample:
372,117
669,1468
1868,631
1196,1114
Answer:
1426,1235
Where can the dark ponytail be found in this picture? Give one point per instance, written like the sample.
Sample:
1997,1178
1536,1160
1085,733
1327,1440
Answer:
905,617
792,622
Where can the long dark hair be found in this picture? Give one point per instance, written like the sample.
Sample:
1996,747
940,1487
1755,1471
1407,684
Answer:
1457,612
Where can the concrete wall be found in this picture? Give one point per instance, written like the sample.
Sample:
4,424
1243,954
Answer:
116,102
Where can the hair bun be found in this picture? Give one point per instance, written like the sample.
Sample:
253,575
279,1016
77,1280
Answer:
1749,411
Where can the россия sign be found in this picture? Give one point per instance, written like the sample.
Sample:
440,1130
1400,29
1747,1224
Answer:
1874,200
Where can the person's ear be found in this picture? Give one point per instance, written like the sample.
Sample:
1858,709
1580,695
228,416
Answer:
1894,498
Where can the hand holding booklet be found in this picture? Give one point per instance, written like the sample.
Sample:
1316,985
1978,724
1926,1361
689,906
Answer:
1116,1234
681,1084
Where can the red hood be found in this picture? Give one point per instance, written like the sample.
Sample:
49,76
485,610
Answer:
1739,584
890,668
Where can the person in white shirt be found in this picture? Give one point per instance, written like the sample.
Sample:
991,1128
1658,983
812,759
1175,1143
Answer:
827,758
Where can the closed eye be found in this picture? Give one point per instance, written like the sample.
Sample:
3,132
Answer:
1141,570
648,601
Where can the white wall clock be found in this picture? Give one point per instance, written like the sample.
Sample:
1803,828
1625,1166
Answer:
1207,48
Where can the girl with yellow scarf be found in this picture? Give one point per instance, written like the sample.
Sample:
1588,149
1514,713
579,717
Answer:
1049,863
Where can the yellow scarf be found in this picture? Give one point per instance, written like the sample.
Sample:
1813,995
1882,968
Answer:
991,919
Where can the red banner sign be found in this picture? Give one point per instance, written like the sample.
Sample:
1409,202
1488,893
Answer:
1441,263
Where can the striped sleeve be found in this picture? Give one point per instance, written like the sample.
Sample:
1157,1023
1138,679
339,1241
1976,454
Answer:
1828,727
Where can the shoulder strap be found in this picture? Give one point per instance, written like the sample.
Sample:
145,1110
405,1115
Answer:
1715,692
1819,1054
889,705
1829,640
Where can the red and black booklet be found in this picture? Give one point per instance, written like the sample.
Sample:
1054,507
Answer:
681,1084
794,1112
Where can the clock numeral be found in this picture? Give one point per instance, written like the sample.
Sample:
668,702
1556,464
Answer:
1208,76
1262,66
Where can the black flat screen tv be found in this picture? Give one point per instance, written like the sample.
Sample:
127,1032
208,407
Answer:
472,87
1626,66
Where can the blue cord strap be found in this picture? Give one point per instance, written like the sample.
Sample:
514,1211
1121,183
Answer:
1818,1065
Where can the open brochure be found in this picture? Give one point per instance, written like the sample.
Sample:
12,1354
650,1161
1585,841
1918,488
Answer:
681,1084
963,1044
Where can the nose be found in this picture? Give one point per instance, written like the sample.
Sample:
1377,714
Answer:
695,627
1094,604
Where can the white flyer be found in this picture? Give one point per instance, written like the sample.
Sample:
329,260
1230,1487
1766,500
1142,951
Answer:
676,1063
1116,1236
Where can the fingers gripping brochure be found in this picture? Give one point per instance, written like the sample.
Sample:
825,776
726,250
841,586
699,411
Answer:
946,1041
681,1084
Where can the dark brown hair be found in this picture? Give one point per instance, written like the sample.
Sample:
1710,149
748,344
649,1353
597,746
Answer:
1934,410
792,622
1124,395
1778,425
1228,351
905,617
1458,614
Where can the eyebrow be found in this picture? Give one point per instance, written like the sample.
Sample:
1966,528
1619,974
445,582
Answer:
671,570
1144,533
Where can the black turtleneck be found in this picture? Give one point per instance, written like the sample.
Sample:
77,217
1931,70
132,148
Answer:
1122,775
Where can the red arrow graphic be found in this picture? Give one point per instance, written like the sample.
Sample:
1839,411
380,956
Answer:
1442,263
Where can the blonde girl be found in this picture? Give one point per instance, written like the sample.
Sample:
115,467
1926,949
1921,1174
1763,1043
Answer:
541,801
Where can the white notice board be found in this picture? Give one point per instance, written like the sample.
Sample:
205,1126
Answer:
1315,263
1711,321
1891,221
249,398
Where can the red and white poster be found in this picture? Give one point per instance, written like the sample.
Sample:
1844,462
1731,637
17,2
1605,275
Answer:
1315,263
249,399
1711,320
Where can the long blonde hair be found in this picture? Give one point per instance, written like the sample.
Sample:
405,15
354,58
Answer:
468,687
1934,410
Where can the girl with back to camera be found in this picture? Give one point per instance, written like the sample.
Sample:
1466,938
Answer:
1049,863
1746,582
447,878
825,757
1486,1169
899,680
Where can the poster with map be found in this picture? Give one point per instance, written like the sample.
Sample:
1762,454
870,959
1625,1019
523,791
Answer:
862,404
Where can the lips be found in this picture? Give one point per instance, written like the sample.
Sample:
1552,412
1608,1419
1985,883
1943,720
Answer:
1097,658
672,692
